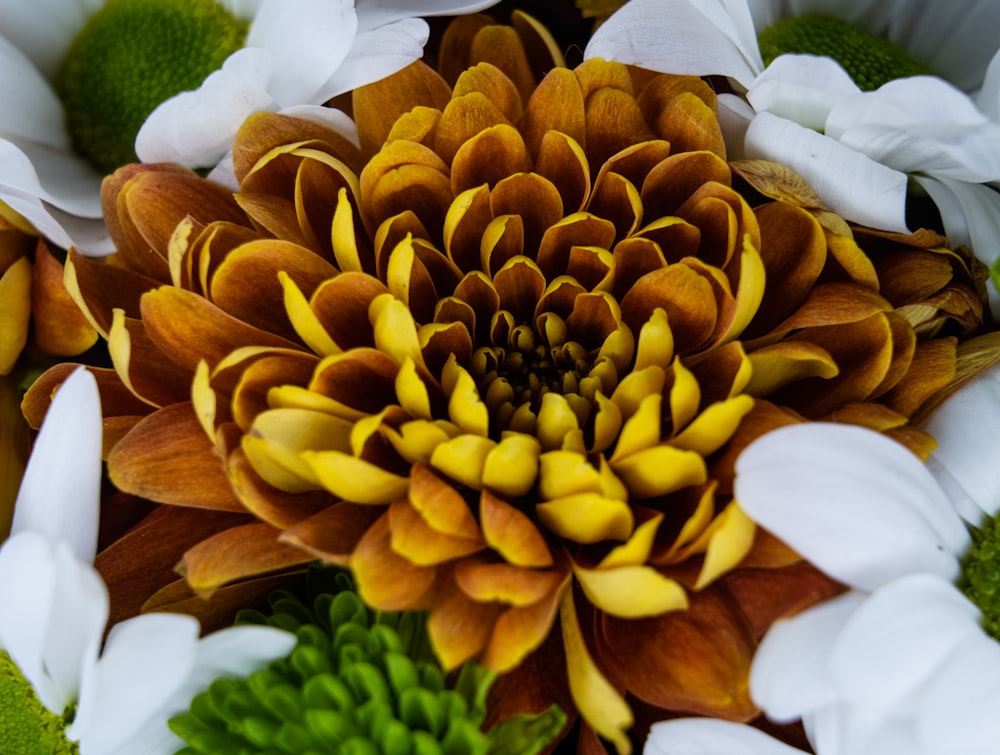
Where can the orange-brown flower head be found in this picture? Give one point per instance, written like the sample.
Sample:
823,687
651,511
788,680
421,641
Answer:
498,356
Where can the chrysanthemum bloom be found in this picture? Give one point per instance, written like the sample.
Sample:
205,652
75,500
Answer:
500,360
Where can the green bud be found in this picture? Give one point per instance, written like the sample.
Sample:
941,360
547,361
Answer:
357,682
131,56
869,60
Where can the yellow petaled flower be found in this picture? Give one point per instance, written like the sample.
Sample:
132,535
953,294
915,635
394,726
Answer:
498,355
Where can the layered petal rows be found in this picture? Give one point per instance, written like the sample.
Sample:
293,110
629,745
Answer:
497,352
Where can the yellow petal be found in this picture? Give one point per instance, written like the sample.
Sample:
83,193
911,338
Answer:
685,395
463,459
598,702
636,549
660,470
15,312
656,342
395,331
642,430
714,426
465,408
788,362
412,391
731,536
587,517
563,473
354,479
631,592
556,421
415,441
304,320
512,467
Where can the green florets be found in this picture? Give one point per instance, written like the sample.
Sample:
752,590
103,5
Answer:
869,60
358,682
131,56
981,575
26,726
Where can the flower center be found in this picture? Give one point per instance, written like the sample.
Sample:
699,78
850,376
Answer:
131,56
25,724
981,574
869,60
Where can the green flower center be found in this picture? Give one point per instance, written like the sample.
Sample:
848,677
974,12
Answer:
981,575
131,56
27,726
869,60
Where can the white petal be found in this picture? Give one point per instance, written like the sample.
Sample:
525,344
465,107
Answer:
54,176
802,88
61,489
871,15
32,110
708,736
898,639
43,29
375,13
858,505
27,587
330,117
308,40
967,430
954,41
377,54
920,125
197,128
988,97
76,625
790,676
971,216
735,115
145,661
847,729
849,183
957,712
678,36
89,236
233,652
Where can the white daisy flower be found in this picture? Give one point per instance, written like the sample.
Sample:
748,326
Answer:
860,150
898,663
80,79
113,696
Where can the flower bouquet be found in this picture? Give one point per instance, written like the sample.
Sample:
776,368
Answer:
595,377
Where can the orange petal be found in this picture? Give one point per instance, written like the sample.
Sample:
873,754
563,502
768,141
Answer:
167,458
416,541
511,533
237,553
387,581
60,327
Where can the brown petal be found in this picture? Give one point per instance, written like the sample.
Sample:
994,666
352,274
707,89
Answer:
167,458
555,105
342,303
146,370
696,661
188,328
932,368
145,559
246,283
532,198
686,297
502,47
333,534
676,178
264,131
793,250
378,105
239,552
60,327
102,285
267,503
579,229
766,595
563,161
491,155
